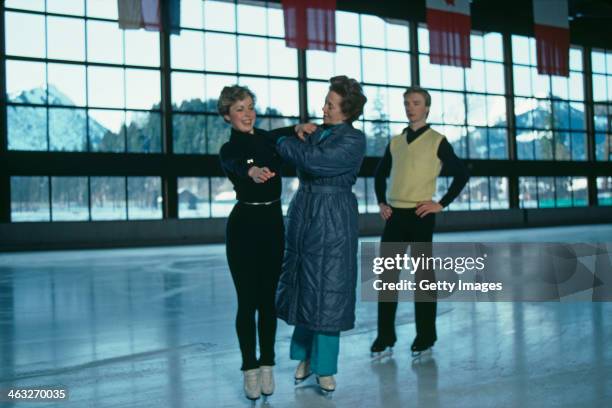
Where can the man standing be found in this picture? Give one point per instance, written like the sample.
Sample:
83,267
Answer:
413,160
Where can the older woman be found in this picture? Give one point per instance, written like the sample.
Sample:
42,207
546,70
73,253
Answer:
316,291
250,161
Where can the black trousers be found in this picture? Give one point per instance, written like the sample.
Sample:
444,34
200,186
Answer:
254,245
404,227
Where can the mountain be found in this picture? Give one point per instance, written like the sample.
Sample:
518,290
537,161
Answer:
198,133
27,126
563,116
539,116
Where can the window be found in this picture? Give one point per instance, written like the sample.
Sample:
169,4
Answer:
468,105
481,193
549,110
77,83
254,55
380,60
601,61
30,199
193,197
84,198
69,199
222,196
58,103
604,190
290,187
552,192
144,198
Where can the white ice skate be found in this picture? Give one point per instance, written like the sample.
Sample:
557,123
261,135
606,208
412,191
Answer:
267,380
302,372
327,384
252,385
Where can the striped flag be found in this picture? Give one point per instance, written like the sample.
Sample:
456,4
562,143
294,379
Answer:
551,29
310,24
449,23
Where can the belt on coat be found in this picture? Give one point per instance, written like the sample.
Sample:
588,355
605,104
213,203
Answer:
310,188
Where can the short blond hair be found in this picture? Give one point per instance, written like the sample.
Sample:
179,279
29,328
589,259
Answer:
230,95
421,91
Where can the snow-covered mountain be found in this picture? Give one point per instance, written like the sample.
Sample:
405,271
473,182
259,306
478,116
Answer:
67,126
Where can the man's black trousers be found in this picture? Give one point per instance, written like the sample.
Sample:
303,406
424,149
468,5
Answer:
406,227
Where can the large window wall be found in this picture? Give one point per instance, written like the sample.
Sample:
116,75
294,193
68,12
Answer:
76,83
601,63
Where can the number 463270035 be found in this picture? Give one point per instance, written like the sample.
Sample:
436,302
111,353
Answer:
35,394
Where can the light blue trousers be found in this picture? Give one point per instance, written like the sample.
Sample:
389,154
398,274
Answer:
320,348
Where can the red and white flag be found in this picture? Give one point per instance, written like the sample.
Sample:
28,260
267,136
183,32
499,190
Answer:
551,28
310,24
449,23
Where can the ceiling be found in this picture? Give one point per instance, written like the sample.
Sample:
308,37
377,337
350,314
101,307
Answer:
590,20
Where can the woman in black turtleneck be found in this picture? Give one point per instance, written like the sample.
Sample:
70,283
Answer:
254,236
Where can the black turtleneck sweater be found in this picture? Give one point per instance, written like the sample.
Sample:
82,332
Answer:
451,166
245,150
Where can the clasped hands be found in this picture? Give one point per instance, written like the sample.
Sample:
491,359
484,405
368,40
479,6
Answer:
260,174
263,174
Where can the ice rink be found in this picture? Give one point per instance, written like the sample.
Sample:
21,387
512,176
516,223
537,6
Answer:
154,327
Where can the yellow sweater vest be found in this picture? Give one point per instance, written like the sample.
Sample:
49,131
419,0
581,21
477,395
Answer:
414,169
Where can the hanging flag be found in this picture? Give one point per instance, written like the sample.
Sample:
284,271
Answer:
449,23
310,24
130,14
151,18
551,29
147,14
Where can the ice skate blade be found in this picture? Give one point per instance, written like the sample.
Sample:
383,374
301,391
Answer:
422,353
326,393
297,381
377,355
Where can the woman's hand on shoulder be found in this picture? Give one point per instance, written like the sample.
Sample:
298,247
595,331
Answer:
260,174
304,129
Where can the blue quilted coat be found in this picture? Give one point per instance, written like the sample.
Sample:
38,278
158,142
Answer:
318,282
